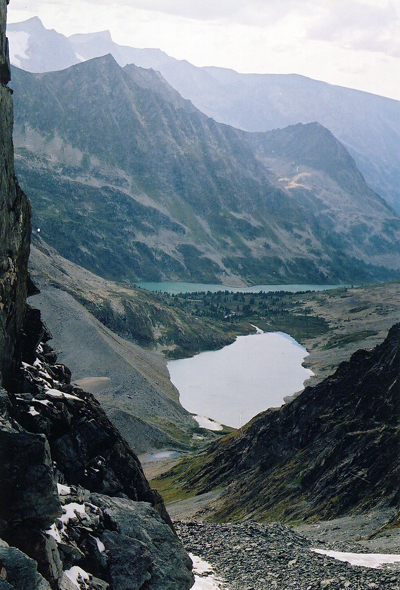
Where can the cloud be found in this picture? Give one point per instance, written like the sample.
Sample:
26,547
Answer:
370,25
353,43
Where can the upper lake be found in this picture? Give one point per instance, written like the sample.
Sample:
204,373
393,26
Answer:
174,288
241,380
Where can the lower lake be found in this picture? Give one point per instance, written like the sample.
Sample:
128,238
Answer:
235,383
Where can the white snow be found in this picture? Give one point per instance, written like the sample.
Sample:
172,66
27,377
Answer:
204,422
76,573
61,394
33,412
70,511
63,490
54,532
54,393
373,560
100,545
19,43
203,575
45,402
45,375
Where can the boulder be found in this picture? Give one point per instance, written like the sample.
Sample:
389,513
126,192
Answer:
170,567
28,493
19,572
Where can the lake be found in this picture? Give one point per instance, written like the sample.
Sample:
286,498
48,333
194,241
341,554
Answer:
232,385
174,288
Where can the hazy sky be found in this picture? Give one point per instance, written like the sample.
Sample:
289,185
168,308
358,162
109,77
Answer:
353,43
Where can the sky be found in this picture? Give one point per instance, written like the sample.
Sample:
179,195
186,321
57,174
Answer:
352,43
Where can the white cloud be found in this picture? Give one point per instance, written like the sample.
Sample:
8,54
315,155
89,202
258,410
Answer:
354,43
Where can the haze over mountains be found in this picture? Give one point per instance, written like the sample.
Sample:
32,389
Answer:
132,181
368,125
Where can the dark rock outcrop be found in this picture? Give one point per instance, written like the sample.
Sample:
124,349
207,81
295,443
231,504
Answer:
159,548
52,433
19,571
15,225
334,449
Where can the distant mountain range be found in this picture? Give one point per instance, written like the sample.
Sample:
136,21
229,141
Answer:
368,125
131,181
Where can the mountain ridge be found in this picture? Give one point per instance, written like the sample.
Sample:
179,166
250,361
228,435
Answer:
208,204
366,124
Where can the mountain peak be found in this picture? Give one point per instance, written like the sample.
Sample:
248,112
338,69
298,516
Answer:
31,25
100,36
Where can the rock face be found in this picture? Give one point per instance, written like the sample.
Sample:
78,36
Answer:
334,449
52,434
15,224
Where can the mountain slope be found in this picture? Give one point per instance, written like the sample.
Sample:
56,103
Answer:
366,124
126,334
131,181
332,450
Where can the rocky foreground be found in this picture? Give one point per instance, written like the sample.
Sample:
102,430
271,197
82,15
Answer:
254,556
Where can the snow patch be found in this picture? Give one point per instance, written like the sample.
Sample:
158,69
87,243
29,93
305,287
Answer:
19,44
54,393
54,532
77,574
100,546
70,511
63,490
373,560
207,423
33,412
203,575
61,394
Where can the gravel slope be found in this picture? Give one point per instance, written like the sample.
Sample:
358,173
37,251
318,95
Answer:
254,556
128,380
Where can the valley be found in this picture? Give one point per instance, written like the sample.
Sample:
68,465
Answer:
330,324
107,481
132,182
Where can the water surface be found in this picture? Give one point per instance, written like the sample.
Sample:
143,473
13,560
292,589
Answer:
235,383
174,288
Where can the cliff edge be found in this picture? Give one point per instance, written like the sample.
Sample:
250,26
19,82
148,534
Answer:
76,510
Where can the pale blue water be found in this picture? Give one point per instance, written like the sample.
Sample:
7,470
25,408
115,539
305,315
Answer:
235,383
174,288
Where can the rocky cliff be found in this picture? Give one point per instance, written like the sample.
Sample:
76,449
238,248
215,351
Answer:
15,224
76,510
335,449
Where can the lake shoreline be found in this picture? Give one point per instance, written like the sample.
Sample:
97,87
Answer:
232,385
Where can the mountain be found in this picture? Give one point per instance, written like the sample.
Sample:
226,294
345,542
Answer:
366,124
333,450
72,491
37,49
132,182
